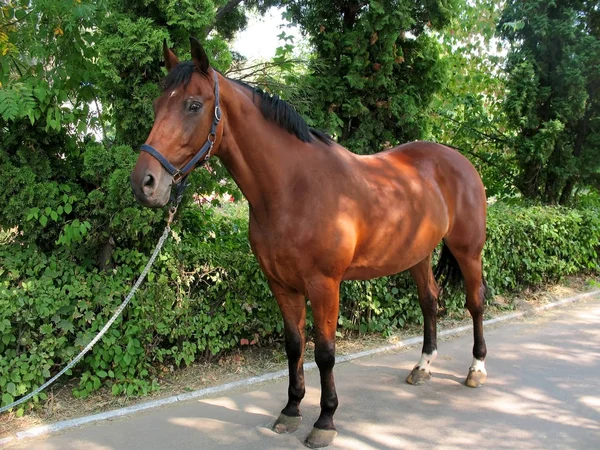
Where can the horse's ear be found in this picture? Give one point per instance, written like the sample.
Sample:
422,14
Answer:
199,55
171,59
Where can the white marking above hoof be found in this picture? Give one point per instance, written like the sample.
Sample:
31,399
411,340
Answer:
426,361
478,366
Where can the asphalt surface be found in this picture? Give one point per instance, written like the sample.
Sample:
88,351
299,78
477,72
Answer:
543,392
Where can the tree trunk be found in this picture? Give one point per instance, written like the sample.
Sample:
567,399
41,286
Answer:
105,261
567,192
528,181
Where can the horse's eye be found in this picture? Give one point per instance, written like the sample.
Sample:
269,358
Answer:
195,107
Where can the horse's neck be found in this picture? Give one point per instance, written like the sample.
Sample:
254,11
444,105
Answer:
262,158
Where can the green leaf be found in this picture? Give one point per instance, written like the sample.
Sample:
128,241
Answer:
11,388
40,93
7,399
66,325
43,220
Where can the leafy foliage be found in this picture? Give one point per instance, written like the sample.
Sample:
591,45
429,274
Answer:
553,95
77,80
527,246
468,110
207,293
375,67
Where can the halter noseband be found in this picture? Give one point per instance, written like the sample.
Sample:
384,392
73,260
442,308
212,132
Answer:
203,153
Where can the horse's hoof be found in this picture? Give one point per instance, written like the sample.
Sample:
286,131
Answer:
476,378
320,438
286,424
418,376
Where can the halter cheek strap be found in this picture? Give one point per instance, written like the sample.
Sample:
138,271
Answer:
202,155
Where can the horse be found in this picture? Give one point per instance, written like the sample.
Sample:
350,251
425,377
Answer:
320,214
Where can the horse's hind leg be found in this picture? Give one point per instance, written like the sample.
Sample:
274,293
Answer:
324,295
470,267
293,309
428,294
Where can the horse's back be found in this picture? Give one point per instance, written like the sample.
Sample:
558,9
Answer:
426,155
458,181
447,166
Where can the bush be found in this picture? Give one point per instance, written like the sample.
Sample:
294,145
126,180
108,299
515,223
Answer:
529,246
206,293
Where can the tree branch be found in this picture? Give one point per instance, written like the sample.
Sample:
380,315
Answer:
265,65
14,22
222,11
16,65
481,133
479,156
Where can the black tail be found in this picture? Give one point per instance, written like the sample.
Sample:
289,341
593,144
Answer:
447,272
487,292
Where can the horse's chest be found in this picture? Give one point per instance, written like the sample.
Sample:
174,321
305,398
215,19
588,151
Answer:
276,255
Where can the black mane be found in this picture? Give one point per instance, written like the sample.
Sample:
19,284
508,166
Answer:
273,108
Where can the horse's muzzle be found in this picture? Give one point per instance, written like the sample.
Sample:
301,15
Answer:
151,189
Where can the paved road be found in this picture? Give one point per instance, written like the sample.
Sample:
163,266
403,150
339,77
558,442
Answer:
543,392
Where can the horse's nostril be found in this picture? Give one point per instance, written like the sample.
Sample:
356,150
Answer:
148,181
149,184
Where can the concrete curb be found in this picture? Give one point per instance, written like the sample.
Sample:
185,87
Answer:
211,391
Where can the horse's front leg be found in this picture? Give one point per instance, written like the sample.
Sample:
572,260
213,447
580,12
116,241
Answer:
293,309
324,299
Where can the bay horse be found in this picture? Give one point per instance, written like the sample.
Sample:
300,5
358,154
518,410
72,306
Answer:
320,214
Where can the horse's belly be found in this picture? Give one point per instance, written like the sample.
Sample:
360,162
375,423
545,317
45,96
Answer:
399,248
365,268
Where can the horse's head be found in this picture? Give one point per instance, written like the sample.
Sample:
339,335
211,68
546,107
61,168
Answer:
185,127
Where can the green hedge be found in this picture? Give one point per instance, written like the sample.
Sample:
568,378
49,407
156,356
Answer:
206,293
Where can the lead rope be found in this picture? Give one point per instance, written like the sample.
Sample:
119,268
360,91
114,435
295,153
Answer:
117,313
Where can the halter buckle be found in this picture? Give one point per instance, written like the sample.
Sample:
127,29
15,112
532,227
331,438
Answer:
177,177
218,114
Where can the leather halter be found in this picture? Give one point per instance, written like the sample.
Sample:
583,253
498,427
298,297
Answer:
203,154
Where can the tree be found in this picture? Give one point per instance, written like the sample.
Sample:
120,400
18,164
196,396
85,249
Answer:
45,65
375,69
553,98
130,59
467,112
232,15
77,81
